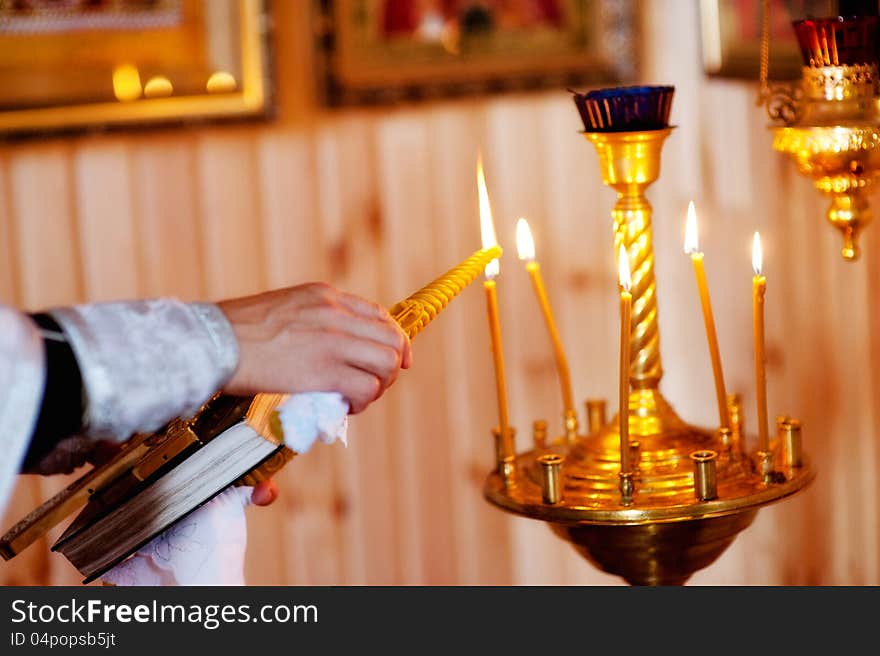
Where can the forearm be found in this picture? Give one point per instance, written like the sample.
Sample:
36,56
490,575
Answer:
137,365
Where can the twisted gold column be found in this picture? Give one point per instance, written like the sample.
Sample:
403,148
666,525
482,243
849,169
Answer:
632,228
629,162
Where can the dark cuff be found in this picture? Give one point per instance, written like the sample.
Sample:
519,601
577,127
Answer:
61,411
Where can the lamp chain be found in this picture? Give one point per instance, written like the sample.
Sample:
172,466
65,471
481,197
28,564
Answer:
764,90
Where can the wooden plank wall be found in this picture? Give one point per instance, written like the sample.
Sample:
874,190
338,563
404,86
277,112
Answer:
378,202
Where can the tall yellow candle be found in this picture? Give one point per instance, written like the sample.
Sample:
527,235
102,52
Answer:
487,231
525,246
497,350
759,287
625,320
692,248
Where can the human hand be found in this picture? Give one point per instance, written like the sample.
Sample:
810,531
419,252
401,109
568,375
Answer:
315,338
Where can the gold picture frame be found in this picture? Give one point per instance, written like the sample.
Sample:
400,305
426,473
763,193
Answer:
731,31
380,51
131,63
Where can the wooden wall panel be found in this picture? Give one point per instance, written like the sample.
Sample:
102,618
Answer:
8,254
42,195
420,450
165,198
107,233
229,214
481,549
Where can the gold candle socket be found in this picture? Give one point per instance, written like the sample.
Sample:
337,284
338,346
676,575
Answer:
705,484
596,414
780,423
627,488
790,438
539,434
765,465
420,308
737,420
504,451
570,421
635,452
725,436
551,481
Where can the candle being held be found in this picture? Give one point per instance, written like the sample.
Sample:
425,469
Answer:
525,246
692,248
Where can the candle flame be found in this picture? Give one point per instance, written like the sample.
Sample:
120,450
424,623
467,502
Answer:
525,245
492,269
691,238
487,226
757,255
623,269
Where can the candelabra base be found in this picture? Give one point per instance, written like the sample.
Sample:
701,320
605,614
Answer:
656,554
666,531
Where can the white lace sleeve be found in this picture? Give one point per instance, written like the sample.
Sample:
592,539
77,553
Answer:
146,362
22,376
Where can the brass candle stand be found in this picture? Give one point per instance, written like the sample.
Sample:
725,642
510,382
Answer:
693,489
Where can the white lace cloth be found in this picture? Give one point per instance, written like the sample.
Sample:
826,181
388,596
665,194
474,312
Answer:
204,548
207,547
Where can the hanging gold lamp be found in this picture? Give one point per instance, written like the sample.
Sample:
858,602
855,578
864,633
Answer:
829,124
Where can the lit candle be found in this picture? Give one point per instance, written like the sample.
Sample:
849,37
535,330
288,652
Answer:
525,247
692,248
759,287
625,317
487,232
